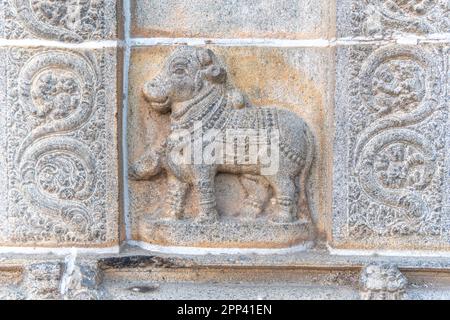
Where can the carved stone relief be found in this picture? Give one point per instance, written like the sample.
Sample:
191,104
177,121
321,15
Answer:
382,282
381,18
60,148
194,87
64,20
395,146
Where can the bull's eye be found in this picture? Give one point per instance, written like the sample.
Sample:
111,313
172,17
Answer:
179,71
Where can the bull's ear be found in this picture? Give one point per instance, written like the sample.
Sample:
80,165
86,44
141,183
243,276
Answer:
216,74
205,57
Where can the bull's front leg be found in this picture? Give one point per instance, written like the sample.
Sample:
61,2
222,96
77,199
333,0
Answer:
204,186
175,199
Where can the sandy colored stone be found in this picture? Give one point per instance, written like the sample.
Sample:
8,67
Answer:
60,20
59,151
291,19
285,78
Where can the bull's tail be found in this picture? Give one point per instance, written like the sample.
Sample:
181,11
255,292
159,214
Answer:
305,197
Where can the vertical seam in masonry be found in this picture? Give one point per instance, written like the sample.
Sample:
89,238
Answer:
126,67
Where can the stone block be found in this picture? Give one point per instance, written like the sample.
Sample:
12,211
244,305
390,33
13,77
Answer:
295,79
65,20
382,282
59,147
42,281
392,148
291,19
385,18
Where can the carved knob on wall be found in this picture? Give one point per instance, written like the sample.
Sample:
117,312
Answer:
382,282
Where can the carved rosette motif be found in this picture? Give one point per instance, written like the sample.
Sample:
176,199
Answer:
65,20
397,144
382,281
377,17
55,140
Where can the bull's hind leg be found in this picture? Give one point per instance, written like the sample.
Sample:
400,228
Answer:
284,189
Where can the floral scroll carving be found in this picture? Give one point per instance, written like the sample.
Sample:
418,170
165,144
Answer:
55,139
378,17
397,138
64,20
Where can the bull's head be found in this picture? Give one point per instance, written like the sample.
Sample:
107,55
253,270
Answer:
187,72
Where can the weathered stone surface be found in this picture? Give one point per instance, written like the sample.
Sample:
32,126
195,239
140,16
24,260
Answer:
233,18
59,151
382,282
391,148
81,280
3,158
63,20
369,113
384,18
278,77
42,281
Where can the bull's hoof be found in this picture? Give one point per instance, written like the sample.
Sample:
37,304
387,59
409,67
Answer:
169,215
282,217
250,210
210,217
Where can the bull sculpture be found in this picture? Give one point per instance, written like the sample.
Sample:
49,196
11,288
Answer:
193,86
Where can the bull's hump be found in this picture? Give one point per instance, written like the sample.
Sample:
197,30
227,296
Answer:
254,118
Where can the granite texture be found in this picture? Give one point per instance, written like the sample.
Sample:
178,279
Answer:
391,148
384,19
62,20
287,19
267,77
359,89
141,275
59,148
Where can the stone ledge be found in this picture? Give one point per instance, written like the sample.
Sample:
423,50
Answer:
226,234
139,274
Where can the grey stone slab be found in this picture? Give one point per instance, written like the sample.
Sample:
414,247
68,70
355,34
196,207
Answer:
391,159
59,151
384,18
3,142
63,20
290,19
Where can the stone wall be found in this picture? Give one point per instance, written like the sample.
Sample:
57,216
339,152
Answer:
93,93
61,91
392,126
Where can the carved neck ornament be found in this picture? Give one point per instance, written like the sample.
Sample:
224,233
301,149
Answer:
208,101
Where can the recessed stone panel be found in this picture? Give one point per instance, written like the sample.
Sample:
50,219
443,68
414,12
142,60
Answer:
384,18
64,20
391,148
288,79
59,150
290,19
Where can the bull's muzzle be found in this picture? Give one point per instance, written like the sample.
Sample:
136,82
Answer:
155,93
